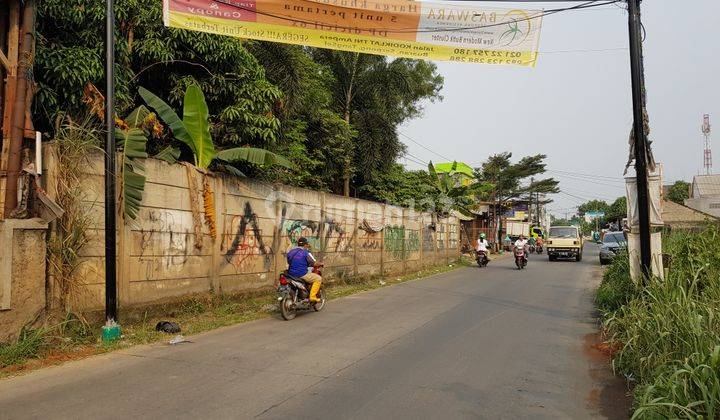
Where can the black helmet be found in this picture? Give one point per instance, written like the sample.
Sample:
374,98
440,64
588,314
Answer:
302,242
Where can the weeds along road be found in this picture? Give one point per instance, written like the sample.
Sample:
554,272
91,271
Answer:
473,343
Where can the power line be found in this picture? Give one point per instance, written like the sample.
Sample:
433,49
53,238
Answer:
612,178
423,146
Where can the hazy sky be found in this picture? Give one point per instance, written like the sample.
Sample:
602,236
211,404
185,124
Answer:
576,107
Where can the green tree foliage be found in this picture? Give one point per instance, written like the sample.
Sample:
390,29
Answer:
401,187
679,192
330,113
508,179
449,195
70,54
193,130
617,210
376,95
593,206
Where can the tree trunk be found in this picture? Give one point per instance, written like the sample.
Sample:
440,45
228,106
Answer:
348,106
17,129
3,41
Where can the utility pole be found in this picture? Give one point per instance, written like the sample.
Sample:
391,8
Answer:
110,205
636,72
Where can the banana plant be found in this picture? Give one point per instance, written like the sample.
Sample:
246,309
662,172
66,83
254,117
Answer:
132,139
460,198
193,131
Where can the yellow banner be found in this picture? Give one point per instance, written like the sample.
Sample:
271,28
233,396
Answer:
400,28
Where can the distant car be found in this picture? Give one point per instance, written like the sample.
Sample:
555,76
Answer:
612,243
564,242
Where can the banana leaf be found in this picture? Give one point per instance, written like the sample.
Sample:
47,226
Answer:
168,115
255,156
137,117
134,143
195,120
169,154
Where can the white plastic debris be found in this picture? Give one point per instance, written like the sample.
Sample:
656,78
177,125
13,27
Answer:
178,339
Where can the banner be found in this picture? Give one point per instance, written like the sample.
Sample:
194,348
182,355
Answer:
400,28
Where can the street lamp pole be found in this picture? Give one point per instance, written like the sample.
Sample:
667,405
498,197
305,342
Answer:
110,205
640,137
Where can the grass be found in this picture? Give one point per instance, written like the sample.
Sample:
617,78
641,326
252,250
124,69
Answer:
667,332
75,338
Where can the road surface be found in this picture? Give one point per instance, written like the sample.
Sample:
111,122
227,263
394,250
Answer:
473,343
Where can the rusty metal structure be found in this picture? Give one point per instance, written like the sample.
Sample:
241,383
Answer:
17,52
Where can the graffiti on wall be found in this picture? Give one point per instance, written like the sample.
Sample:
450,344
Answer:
296,229
399,244
247,241
335,235
428,241
161,246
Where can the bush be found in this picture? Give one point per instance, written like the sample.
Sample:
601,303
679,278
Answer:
29,346
668,331
617,288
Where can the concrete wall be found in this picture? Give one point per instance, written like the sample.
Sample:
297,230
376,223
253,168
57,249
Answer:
256,224
22,275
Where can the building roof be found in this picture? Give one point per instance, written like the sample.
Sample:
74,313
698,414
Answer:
677,215
706,185
461,168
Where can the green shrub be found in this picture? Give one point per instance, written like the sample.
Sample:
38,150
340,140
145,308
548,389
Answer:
668,331
30,345
617,288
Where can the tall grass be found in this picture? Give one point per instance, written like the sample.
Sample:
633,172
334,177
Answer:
668,331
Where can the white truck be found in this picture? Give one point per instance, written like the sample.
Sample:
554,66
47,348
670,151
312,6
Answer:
515,229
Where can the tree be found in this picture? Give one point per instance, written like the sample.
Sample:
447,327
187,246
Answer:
193,131
401,187
448,195
507,179
679,192
376,95
617,210
593,206
70,55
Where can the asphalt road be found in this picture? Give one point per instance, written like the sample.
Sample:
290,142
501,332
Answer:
473,343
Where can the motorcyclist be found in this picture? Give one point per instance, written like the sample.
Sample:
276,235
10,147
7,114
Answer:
300,264
482,245
539,241
522,243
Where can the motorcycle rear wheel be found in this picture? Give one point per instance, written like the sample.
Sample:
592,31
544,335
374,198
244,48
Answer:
286,309
318,306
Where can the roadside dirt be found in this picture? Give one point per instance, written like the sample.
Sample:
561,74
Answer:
610,396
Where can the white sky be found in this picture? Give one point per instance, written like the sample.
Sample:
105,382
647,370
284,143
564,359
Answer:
576,107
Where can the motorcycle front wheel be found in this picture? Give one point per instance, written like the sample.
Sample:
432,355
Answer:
320,305
286,308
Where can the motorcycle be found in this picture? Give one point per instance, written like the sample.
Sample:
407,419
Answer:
481,258
520,260
294,295
539,249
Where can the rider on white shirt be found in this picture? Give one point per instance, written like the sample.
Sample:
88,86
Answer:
522,244
482,245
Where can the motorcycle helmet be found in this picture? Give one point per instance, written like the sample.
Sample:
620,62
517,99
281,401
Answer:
482,236
302,242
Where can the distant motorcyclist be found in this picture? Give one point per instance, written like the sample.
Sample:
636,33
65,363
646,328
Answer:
481,249
300,264
522,243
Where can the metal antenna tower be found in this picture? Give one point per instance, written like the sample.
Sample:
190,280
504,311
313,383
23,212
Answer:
707,154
